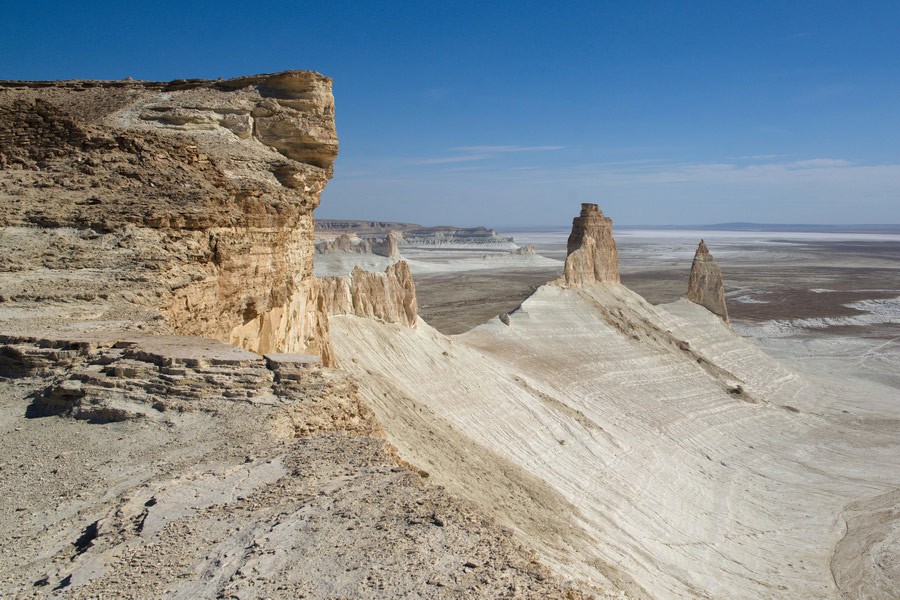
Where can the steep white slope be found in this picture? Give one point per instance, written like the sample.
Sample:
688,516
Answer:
650,448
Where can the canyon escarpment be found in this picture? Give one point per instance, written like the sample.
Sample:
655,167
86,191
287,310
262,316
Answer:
182,207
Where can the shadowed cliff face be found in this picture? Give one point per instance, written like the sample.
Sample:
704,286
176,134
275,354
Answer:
705,286
592,253
198,196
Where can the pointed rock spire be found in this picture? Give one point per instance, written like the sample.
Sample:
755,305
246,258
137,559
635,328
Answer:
705,286
592,253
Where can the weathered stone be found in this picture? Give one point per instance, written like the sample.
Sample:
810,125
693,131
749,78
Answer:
120,376
198,196
592,253
705,286
388,246
388,296
382,246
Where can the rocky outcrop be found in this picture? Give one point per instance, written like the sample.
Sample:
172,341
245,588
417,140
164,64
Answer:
592,254
121,376
388,246
450,237
388,296
179,207
705,286
381,246
526,250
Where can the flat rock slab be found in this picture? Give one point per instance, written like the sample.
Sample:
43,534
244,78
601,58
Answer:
291,360
186,350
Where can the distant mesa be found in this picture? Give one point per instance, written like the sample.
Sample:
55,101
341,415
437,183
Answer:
592,254
412,235
362,228
705,286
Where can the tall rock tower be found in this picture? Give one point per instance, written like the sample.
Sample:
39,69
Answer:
592,253
705,285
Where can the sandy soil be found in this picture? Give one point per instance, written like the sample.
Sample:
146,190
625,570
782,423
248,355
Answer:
222,504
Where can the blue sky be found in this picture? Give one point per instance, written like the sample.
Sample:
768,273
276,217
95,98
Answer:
511,113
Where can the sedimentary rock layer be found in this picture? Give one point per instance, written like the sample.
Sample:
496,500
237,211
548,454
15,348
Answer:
118,376
413,235
365,228
592,254
380,246
645,448
183,206
389,297
449,237
705,286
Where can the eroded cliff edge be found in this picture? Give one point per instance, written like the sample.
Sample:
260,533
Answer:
182,207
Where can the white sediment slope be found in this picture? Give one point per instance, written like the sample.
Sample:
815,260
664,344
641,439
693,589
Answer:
645,448
338,264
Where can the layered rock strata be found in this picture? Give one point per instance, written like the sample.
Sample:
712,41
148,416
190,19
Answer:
362,228
178,207
414,235
381,246
705,286
449,237
592,254
120,376
389,297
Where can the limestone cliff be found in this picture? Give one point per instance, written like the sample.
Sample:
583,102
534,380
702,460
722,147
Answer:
382,246
705,286
182,206
388,296
592,254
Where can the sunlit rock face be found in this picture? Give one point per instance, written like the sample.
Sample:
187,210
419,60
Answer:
705,286
382,246
592,253
389,297
198,197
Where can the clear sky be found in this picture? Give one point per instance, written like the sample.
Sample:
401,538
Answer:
511,113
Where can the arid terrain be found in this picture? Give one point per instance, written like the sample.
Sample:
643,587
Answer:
788,291
203,397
